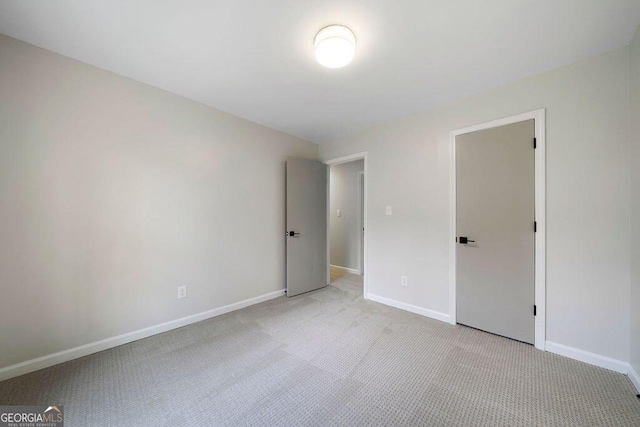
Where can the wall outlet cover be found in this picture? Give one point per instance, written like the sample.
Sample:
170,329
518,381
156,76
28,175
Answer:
182,292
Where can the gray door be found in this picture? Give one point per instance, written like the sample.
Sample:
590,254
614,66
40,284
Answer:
361,228
306,226
495,212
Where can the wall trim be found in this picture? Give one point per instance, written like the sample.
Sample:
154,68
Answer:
540,215
587,357
634,377
443,317
350,270
105,344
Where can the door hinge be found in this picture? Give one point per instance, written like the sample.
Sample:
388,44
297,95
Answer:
535,226
535,310
535,143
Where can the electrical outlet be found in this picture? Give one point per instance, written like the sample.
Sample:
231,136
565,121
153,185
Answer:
404,281
182,292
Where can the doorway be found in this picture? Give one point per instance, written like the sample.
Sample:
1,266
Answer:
498,227
346,222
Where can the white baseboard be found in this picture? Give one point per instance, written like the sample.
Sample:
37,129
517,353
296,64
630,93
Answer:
94,347
408,307
350,270
587,357
634,377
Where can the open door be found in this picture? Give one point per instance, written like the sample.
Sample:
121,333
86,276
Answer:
306,233
495,267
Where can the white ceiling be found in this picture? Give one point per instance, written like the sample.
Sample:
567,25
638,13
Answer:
254,58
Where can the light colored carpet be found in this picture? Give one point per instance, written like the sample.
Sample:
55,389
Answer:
328,358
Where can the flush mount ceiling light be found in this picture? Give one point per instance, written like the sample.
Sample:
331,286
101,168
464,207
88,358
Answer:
335,46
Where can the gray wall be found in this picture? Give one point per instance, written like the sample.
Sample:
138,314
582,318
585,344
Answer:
344,233
634,141
113,193
587,198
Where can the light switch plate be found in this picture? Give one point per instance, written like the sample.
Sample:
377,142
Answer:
389,210
338,212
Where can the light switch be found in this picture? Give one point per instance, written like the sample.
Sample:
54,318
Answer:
338,212
389,210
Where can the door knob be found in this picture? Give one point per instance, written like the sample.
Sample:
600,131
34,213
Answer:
465,240
292,233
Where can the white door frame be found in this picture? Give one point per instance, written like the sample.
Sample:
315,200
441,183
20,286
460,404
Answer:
337,161
361,205
540,216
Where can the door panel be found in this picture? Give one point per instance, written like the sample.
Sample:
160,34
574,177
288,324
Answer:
495,209
306,182
361,228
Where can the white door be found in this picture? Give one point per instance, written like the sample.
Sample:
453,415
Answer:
495,215
306,223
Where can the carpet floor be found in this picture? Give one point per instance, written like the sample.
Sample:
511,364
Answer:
328,358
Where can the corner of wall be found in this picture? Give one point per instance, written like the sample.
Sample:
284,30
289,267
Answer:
634,206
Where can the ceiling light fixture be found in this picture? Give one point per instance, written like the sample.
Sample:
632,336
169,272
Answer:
335,46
